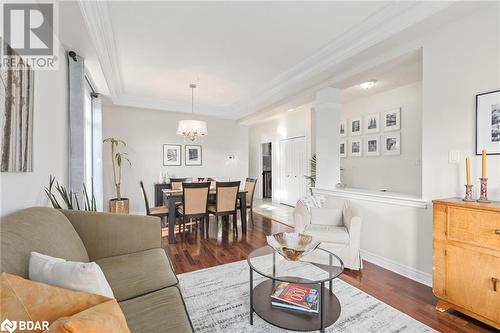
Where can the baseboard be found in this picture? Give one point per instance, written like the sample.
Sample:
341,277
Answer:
406,271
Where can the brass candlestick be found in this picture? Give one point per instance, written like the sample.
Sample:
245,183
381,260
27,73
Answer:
483,197
468,193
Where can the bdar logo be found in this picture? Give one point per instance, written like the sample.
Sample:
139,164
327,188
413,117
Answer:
8,326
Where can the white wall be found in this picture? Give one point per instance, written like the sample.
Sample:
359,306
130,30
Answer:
50,142
460,59
284,126
145,132
401,173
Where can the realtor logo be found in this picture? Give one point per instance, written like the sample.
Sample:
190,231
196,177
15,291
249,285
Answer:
27,28
23,325
28,35
8,326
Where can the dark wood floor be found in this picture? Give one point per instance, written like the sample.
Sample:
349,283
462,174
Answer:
223,246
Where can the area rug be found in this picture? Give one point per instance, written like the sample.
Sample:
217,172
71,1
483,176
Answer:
217,300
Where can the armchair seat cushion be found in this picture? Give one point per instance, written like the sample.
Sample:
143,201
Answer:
159,311
135,274
328,233
327,216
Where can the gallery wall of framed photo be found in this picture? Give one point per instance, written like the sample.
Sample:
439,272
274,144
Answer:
381,140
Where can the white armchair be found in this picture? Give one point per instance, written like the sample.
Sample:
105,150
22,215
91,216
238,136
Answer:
337,225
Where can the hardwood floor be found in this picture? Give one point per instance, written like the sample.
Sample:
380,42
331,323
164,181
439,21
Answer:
223,246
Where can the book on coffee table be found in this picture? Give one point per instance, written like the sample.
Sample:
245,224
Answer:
288,306
295,295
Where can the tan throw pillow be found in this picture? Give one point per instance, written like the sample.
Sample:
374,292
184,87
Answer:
106,317
25,300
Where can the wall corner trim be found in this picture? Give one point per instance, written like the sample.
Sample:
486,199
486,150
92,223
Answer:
382,197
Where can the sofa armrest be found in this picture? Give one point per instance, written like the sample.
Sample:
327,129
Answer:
301,217
106,235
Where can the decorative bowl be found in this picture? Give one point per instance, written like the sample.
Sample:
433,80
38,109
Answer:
292,246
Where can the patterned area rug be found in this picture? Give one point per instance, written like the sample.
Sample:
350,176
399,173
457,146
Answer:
217,299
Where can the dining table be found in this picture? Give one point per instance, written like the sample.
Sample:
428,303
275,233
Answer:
172,197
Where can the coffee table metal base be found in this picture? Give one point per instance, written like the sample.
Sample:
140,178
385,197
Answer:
289,319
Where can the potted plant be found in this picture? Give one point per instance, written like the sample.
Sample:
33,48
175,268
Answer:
118,205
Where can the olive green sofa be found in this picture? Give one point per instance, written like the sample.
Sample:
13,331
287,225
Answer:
128,249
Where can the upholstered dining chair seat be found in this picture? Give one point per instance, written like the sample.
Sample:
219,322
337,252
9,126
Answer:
161,210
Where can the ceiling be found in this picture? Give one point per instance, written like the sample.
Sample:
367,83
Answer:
244,56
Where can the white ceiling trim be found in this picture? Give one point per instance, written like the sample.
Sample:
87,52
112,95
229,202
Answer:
98,22
310,72
307,94
390,20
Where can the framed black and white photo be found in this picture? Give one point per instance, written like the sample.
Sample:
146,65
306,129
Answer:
342,128
193,155
171,155
372,123
356,148
372,144
392,120
488,123
392,144
343,148
355,127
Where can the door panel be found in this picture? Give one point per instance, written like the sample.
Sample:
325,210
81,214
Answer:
293,168
470,281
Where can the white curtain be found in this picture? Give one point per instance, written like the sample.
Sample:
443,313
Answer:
85,133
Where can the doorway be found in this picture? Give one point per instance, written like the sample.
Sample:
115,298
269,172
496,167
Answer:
267,166
293,168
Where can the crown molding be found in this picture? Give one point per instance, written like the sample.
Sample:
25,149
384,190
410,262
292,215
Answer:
98,22
387,22
166,105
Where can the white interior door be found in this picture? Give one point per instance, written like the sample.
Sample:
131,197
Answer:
293,168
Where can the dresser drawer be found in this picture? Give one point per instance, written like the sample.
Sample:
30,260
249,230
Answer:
477,227
472,281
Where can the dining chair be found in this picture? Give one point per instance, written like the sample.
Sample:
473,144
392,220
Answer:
176,183
160,211
226,195
194,203
250,185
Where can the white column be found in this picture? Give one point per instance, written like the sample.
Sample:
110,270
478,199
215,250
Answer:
327,138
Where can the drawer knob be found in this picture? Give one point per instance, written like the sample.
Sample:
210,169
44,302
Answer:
495,281
497,231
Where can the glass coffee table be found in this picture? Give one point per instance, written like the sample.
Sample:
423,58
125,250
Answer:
312,270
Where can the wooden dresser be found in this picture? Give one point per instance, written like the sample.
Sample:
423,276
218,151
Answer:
466,258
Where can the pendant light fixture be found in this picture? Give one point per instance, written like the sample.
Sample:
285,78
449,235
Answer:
192,129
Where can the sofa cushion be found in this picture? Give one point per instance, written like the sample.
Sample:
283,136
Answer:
159,311
327,216
327,233
139,273
41,229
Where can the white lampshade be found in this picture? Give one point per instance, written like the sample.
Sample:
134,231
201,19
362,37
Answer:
192,128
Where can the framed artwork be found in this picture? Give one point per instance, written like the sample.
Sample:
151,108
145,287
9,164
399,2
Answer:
372,123
171,155
343,148
193,155
488,122
356,148
372,145
16,115
392,144
392,120
355,127
343,128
